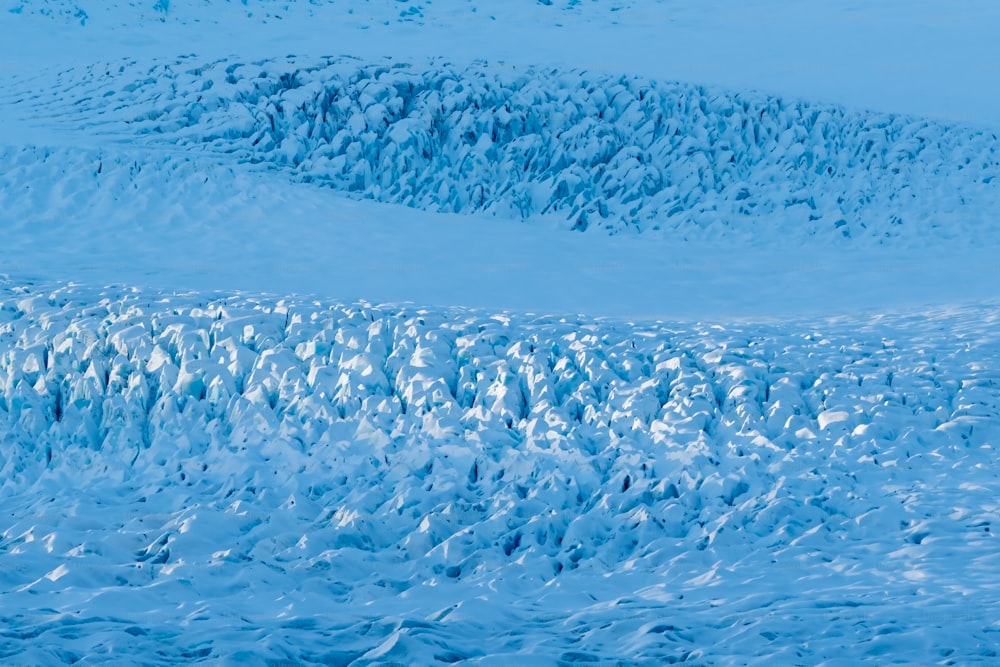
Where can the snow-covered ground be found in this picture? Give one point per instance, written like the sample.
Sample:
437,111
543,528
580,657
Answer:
498,332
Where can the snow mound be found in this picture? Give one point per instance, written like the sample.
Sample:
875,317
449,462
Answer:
615,153
389,484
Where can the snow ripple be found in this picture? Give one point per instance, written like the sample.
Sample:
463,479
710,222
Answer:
616,153
354,484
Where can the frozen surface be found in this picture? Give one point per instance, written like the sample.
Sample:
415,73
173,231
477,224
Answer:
188,222
498,332
618,154
930,58
276,176
241,479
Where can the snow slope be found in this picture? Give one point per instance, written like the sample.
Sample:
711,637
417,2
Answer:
225,437
256,230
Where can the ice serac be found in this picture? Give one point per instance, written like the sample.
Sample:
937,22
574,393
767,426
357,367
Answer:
433,466
588,150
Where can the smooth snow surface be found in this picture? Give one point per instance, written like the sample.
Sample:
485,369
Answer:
482,332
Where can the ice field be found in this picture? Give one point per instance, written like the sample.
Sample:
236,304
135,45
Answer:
498,333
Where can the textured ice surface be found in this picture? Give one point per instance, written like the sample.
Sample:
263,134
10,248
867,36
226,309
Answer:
201,477
212,476
588,150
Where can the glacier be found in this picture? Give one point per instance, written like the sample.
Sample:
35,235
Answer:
490,333
349,483
619,154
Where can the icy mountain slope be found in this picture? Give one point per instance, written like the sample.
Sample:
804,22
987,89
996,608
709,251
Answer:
382,482
587,150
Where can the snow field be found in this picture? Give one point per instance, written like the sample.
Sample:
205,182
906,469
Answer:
582,149
386,481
